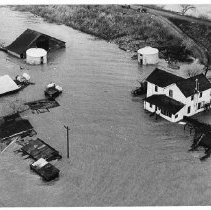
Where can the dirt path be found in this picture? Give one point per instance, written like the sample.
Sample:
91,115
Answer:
199,50
173,14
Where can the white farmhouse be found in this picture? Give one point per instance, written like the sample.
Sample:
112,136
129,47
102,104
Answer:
173,97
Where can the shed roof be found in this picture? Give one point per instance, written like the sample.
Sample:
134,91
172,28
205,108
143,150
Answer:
13,126
165,103
36,52
162,78
25,40
187,86
7,84
148,50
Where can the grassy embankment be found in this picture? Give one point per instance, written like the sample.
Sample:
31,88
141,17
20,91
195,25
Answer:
128,28
200,33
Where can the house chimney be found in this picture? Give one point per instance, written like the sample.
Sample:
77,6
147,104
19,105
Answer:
197,87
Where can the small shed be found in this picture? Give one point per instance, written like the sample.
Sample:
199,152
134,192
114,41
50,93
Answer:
7,85
148,55
32,39
36,56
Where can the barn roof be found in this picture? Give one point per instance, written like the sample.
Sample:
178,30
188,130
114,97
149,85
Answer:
25,40
165,103
162,78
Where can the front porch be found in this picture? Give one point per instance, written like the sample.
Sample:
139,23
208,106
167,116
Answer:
164,106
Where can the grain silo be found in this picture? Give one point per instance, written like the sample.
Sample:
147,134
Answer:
148,55
36,56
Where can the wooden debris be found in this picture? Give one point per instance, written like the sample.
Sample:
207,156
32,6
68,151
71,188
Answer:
37,149
46,170
44,104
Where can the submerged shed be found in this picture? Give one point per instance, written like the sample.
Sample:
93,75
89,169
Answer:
148,55
36,56
7,85
33,39
12,125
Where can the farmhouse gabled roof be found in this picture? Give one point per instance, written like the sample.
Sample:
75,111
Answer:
162,78
25,40
165,103
187,86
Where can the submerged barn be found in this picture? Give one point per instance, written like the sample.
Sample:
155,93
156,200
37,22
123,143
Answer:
33,39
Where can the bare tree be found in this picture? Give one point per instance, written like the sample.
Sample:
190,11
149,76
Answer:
193,69
186,7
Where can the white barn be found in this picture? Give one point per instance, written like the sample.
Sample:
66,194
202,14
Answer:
148,55
173,97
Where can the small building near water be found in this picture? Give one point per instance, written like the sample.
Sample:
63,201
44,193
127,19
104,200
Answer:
33,39
7,85
173,97
36,56
148,55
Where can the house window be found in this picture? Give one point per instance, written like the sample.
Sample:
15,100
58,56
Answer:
171,93
189,109
199,106
166,113
176,116
150,105
192,97
156,88
200,95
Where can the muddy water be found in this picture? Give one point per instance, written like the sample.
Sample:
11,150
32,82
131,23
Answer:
119,156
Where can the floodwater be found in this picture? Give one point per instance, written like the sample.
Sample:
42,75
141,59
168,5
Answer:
119,156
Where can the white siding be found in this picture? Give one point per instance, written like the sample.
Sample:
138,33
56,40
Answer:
206,97
35,60
177,94
147,107
151,89
148,58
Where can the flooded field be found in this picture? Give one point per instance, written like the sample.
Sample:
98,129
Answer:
119,156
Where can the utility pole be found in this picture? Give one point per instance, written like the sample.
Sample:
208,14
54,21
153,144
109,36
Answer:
67,128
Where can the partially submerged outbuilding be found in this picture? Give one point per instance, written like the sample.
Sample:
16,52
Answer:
148,55
7,85
32,39
37,149
12,125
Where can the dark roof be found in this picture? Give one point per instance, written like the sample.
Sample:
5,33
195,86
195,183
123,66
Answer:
22,43
39,149
165,103
187,86
206,140
13,126
162,78
25,40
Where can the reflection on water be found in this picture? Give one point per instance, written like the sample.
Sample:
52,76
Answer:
118,154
